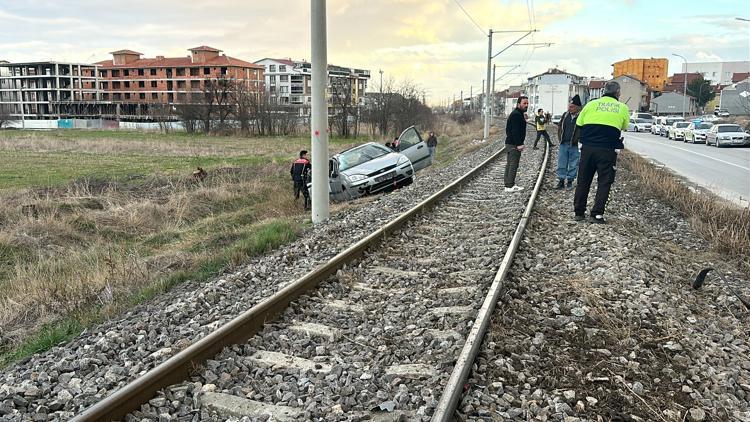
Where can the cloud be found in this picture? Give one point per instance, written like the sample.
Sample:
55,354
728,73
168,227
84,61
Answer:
702,55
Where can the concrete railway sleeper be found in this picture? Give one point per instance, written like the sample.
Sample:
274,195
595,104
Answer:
374,333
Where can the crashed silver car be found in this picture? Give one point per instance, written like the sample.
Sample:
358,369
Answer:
371,167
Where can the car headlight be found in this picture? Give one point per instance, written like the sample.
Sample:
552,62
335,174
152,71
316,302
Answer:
357,177
402,160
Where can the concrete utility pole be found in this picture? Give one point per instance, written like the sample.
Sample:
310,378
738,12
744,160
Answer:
492,91
684,79
319,124
486,133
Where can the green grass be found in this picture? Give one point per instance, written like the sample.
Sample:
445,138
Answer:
44,339
24,169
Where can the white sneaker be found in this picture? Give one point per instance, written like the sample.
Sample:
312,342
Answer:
515,188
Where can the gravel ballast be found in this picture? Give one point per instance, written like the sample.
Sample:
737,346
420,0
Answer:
386,352
600,322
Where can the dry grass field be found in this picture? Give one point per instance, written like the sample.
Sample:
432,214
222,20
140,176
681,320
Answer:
93,222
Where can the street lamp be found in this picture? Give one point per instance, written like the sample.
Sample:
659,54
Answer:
684,89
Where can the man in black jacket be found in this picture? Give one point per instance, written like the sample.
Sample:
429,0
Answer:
300,171
515,131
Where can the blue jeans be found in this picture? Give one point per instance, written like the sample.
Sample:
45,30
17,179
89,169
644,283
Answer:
567,161
432,151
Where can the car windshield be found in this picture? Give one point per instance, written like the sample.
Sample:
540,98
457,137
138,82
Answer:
730,128
705,126
645,116
641,121
681,125
361,154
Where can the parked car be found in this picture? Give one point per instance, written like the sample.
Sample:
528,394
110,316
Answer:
371,167
696,132
723,135
709,118
556,118
639,125
721,112
645,116
677,131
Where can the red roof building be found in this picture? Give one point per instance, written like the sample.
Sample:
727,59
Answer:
133,79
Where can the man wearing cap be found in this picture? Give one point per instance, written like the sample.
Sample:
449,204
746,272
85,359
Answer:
568,154
600,124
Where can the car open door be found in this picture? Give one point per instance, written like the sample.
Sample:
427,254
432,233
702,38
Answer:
411,145
335,185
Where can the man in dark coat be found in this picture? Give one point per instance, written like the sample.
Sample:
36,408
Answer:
300,171
515,131
432,144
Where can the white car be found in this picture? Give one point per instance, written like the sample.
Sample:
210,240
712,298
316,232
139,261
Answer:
724,135
639,125
696,132
677,131
643,116
721,112
709,118
656,127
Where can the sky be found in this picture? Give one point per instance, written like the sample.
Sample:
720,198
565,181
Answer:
434,44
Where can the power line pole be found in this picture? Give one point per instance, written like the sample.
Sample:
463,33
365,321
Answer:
492,90
490,56
319,124
486,133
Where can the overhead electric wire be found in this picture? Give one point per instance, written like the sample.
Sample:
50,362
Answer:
470,18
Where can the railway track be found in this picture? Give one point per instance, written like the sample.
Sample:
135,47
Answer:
387,329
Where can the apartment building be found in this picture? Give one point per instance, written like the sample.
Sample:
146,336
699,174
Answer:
288,82
285,82
717,72
132,82
49,90
553,89
653,71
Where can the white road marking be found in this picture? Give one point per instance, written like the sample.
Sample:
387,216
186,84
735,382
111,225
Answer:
702,155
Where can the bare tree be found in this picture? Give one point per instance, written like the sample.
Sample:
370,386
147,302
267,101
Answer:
243,100
5,115
190,112
408,108
162,115
342,103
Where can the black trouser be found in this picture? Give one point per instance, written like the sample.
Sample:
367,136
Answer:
602,162
539,134
511,165
301,186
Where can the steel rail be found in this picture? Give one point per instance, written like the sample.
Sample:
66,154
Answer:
446,407
243,327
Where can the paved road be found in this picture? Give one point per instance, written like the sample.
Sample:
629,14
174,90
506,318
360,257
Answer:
724,171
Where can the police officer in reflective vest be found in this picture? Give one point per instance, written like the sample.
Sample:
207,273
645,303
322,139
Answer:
300,171
600,124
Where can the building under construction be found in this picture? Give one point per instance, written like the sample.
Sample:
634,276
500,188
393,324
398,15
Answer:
127,87
652,71
49,90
